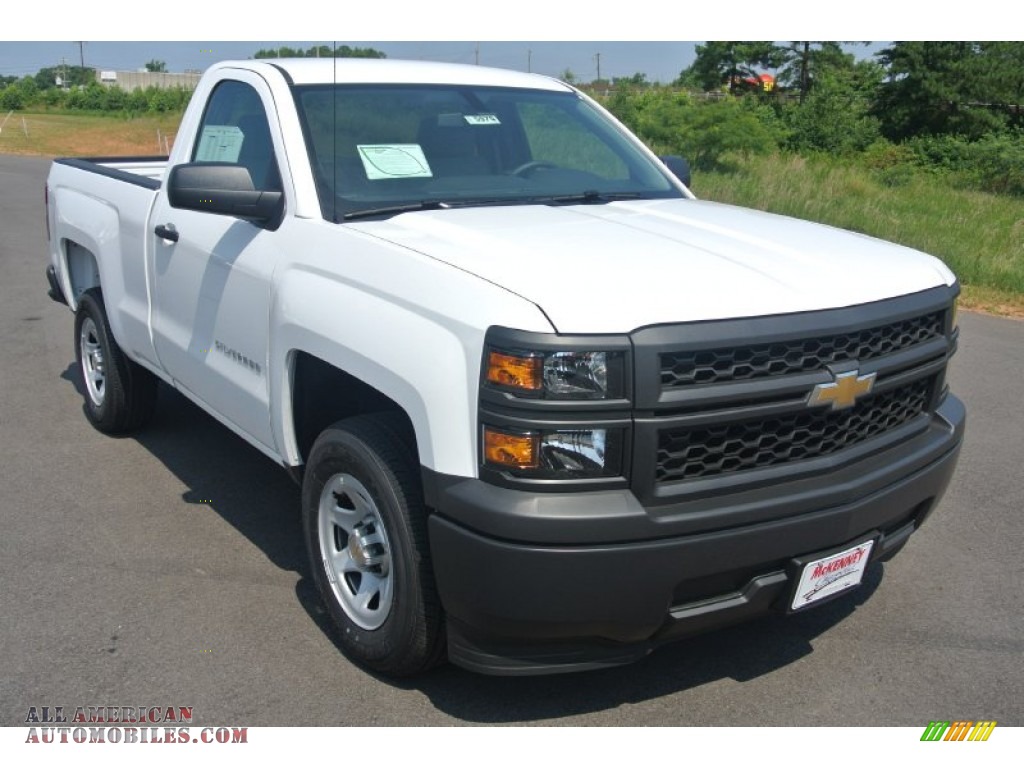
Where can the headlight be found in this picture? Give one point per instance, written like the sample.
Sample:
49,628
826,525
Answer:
575,375
555,454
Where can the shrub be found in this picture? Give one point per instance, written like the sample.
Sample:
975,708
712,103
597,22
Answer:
11,98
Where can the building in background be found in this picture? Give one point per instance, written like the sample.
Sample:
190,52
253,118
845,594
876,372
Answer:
130,81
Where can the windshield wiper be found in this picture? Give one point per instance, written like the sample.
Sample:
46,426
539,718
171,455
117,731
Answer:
436,205
421,205
590,196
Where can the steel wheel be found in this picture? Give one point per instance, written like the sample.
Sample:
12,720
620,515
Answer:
94,371
357,555
119,394
365,527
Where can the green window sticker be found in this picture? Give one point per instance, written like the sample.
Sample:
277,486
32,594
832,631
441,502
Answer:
394,161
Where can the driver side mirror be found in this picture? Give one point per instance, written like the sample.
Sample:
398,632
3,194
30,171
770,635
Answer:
223,188
679,166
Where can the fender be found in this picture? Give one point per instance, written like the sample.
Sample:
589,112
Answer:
110,232
381,320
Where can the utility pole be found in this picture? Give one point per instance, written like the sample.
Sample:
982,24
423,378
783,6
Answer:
529,60
81,53
477,54
598,57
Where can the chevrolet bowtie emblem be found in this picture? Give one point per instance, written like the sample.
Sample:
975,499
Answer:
843,392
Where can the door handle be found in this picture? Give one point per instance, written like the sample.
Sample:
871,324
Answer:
167,232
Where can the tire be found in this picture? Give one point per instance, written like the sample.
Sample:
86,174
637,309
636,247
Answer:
119,394
365,529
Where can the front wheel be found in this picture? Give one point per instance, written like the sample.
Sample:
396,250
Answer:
365,529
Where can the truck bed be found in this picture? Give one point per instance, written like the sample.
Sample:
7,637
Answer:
145,171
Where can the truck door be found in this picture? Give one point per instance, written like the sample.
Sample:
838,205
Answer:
211,286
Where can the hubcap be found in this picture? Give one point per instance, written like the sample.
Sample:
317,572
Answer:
356,553
93,365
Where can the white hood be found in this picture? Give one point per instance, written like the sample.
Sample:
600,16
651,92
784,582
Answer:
616,267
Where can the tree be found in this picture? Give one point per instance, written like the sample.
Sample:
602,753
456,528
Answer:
636,80
705,132
805,60
155,65
730,63
934,88
10,98
69,76
999,79
833,118
319,51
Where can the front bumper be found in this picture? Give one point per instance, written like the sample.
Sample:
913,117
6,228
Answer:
527,589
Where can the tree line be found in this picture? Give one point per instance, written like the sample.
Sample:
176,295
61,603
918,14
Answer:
955,107
75,88
943,107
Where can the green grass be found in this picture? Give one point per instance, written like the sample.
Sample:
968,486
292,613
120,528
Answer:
978,235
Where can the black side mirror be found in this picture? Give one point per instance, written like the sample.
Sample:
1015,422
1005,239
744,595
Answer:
679,166
223,188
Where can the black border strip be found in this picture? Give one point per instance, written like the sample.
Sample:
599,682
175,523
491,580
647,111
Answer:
92,165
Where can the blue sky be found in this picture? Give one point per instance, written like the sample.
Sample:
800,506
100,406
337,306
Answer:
651,37
660,60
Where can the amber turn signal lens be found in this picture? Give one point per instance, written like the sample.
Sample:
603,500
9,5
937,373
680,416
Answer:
513,451
514,371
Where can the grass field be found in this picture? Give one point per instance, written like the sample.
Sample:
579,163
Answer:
980,236
56,135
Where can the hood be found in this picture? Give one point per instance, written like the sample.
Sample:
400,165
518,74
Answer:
615,267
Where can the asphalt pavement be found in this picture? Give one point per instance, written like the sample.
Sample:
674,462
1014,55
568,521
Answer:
167,569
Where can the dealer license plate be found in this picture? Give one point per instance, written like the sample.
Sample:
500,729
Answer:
831,575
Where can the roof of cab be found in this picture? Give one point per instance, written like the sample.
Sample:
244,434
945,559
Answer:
394,71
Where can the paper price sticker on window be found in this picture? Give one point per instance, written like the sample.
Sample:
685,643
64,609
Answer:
220,143
394,161
482,119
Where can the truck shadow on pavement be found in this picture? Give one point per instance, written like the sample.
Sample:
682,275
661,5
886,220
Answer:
225,473
262,503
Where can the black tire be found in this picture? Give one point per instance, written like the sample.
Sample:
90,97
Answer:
119,394
365,528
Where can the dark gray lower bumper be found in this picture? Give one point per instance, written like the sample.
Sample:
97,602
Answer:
519,607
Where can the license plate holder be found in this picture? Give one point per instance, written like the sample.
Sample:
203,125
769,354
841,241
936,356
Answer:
820,577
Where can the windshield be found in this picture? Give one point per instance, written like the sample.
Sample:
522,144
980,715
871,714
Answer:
382,149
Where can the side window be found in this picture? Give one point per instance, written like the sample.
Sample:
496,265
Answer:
558,137
235,130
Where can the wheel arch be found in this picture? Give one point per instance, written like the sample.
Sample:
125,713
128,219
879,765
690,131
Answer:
81,268
321,394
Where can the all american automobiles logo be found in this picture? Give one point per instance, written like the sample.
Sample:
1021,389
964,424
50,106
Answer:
124,725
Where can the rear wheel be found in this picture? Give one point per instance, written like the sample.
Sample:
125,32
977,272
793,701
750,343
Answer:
365,529
120,395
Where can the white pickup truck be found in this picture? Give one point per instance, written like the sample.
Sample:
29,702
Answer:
548,410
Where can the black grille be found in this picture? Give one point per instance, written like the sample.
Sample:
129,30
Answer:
687,453
715,366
